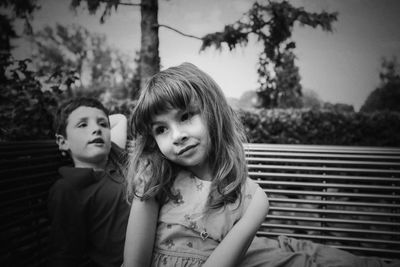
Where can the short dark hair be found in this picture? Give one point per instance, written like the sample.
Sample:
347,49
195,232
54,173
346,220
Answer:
67,107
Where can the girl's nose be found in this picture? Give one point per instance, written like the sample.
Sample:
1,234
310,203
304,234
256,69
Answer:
179,136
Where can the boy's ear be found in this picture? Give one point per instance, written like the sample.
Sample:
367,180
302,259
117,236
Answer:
61,142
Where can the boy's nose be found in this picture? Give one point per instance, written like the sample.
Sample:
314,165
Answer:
96,129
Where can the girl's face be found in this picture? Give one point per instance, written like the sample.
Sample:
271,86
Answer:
183,137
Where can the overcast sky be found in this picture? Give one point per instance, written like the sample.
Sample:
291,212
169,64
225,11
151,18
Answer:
341,67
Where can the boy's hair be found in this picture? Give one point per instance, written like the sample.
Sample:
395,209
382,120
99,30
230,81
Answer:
67,107
186,87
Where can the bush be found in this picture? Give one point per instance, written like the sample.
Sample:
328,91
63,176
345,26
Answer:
322,127
26,113
25,109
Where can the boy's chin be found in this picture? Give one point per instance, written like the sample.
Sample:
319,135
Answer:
98,157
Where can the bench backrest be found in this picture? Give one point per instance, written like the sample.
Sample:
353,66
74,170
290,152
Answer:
347,197
27,170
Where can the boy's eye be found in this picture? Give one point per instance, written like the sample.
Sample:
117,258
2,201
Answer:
103,124
82,125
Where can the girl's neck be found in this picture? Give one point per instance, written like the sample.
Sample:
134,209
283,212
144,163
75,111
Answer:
201,173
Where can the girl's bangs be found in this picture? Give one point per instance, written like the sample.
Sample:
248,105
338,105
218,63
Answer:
161,99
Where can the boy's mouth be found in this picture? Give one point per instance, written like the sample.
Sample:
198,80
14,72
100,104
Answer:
97,141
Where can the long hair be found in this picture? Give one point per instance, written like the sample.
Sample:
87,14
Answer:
186,87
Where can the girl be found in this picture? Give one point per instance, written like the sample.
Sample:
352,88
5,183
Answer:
192,202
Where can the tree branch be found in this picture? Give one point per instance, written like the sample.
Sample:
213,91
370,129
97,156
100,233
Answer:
120,3
181,33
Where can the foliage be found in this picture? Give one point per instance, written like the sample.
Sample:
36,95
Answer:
149,60
73,49
7,33
25,110
310,99
10,11
322,127
387,95
94,5
272,23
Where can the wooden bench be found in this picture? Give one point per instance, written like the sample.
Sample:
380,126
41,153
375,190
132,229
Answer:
27,170
347,197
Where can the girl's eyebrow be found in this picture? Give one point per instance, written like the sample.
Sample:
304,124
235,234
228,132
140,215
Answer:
153,123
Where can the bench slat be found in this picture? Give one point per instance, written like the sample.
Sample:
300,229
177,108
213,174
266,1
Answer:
392,189
328,229
259,176
337,238
324,162
332,220
323,169
273,199
331,194
337,211
279,154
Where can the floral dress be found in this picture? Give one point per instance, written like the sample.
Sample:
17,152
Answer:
186,235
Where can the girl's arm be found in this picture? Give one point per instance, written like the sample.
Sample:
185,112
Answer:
235,244
118,125
140,233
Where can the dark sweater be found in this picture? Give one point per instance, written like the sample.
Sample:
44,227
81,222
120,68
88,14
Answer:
89,215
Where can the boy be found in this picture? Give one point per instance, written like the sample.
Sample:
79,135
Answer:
87,205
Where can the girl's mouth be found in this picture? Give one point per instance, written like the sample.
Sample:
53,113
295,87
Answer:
183,150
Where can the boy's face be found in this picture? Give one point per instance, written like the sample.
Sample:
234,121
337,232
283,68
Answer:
87,137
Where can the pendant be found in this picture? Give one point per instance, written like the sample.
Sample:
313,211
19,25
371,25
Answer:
204,234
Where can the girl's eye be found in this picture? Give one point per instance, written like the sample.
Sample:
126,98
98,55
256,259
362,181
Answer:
186,116
159,130
82,125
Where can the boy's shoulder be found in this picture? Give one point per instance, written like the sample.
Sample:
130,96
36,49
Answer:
73,178
117,150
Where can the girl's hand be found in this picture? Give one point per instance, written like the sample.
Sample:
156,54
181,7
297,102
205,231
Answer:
118,126
235,244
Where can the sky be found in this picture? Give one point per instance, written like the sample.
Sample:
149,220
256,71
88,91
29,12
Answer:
341,67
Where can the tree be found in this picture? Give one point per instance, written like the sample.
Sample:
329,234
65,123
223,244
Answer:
10,11
287,90
272,23
387,95
311,100
149,60
65,50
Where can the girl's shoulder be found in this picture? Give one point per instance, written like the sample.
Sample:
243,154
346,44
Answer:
250,187
248,190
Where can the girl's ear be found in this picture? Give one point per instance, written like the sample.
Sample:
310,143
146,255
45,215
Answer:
61,142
